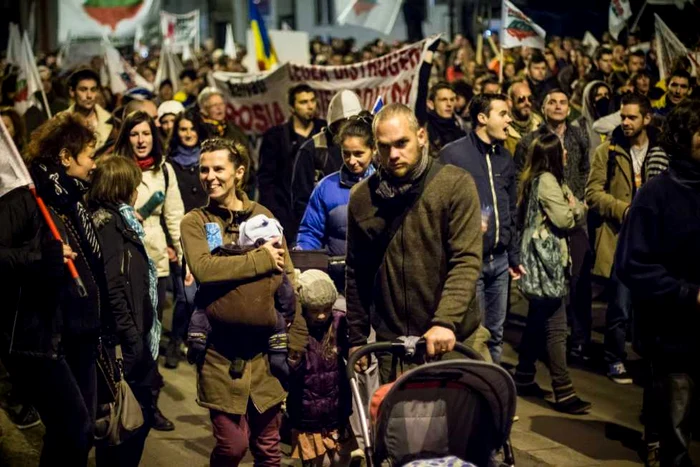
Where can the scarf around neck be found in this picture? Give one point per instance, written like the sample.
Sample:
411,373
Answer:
128,213
186,157
522,127
220,127
146,163
391,187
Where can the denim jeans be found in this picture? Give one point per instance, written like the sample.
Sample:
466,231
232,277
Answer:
546,326
492,293
616,319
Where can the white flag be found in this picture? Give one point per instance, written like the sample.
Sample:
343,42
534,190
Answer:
590,43
178,30
229,45
120,75
14,46
379,15
13,172
28,80
668,48
618,14
518,30
169,67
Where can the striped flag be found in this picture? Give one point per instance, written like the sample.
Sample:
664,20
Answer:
264,50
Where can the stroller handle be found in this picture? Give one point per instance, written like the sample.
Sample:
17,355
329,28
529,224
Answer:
398,347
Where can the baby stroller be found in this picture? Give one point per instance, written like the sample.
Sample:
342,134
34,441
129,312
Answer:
448,412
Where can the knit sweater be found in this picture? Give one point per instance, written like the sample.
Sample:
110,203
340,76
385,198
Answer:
427,274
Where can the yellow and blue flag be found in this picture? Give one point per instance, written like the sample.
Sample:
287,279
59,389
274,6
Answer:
264,51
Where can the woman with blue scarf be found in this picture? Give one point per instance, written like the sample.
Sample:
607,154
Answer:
324,224
183,154
132,282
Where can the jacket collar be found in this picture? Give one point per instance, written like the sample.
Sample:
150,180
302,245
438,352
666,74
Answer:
229,216
483,147
621,141
349,180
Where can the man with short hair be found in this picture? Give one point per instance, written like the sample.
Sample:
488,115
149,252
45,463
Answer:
278,152
603,62
436,107
524,120
636,62
575,140
189,89
490,86
84,86
617,173
618,58
482,155
537,78
678,88
389,232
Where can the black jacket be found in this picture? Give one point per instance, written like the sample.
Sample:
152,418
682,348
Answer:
578,163
493,170
657,258
191,191
317,157
126,267
441,131
539,90
278,152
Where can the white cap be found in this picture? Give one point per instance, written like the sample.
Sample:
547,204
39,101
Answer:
344,104
170,107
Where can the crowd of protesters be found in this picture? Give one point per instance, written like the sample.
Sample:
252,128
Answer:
542,175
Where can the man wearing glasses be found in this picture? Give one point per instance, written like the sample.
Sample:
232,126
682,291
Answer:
524,119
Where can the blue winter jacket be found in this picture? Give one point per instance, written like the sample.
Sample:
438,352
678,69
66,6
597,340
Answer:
325,220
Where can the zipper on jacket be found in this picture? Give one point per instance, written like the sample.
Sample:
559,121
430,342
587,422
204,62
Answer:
495,200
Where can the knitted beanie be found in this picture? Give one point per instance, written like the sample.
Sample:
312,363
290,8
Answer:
316,289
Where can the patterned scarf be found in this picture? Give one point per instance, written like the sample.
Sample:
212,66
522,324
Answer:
522,127
65,194
391,187
129,215
220,127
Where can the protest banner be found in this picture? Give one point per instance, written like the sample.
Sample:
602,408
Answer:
96,18
258,102
180,30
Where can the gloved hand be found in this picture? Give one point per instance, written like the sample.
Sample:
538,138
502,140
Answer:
279,367
196,348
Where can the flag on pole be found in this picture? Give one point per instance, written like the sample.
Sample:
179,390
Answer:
120,75
178,30
618,14
590,43
14,46
669,48
264,50
378,105
169,67
518,30
13,172
379,15
230,45
28,80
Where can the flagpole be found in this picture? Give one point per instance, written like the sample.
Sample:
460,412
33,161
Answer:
501,65
639,16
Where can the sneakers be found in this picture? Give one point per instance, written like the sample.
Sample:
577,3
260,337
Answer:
618,373
573,405
27,417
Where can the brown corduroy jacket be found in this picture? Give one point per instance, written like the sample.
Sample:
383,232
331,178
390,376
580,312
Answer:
427,275
216,388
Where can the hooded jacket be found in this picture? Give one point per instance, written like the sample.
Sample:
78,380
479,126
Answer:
320,156
590,116
655,259
609,192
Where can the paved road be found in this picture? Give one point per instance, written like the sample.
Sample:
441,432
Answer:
608,436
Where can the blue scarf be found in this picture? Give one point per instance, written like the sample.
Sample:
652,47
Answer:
129,215
186,157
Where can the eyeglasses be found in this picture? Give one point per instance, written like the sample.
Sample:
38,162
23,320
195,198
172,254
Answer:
523,99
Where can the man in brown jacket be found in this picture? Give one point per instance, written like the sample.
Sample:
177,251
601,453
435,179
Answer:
414,244
617,172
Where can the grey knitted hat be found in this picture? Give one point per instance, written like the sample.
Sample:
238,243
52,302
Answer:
316,289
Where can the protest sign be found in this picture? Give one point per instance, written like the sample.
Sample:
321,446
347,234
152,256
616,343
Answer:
258,102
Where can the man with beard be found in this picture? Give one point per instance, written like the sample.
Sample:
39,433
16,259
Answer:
409,274
678,89
556,110
654,259
617,172
482,154
84,86
278,151
603,62
523,120
537,78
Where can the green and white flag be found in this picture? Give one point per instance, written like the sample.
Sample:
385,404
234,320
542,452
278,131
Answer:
620,11
518,30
